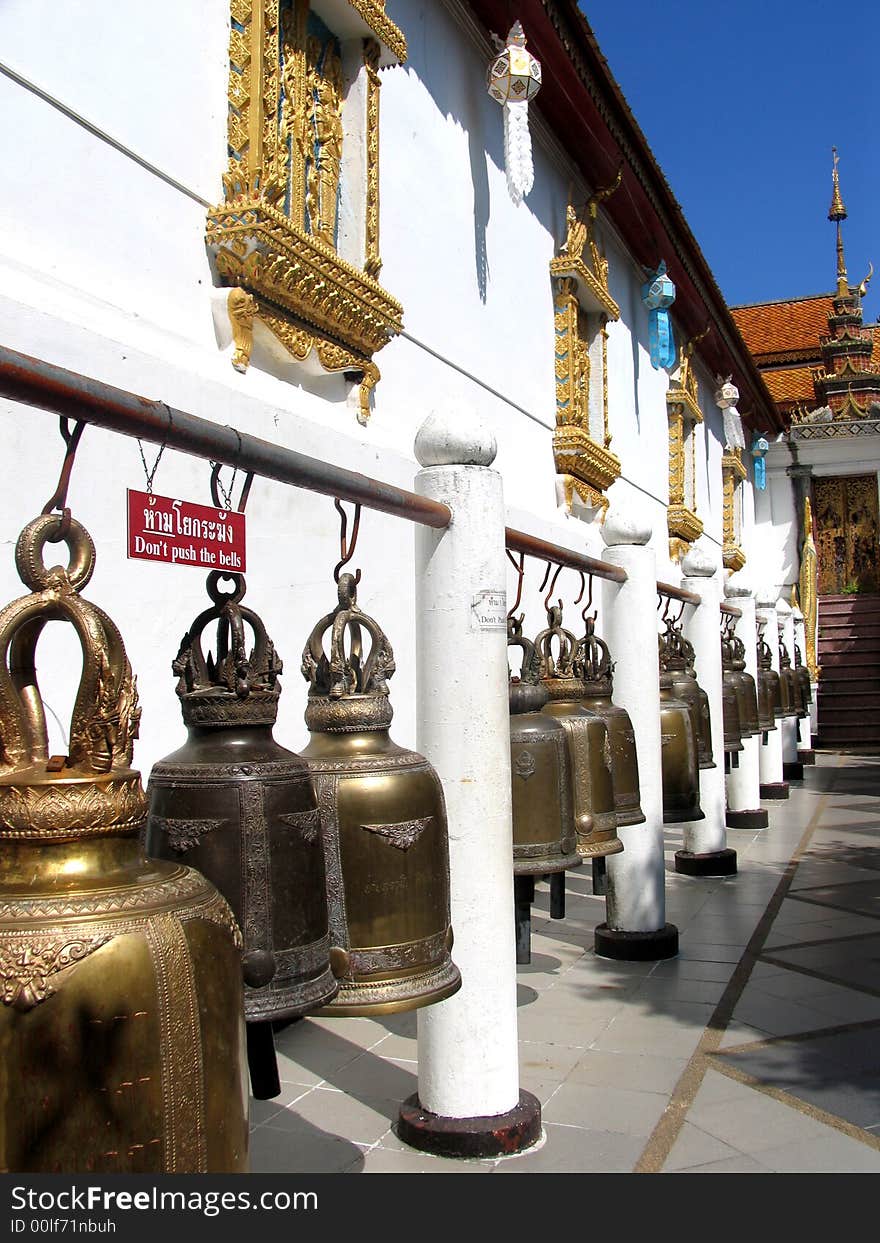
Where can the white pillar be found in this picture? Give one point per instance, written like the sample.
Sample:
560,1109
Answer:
469,1101
705,850
805,733
770,753
744,810
791,769
636,925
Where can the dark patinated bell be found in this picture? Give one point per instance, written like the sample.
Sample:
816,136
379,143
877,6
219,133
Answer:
788,676
383,824
803,676
240,808
733,660
544,838
121,1024
594,663
589,745
768,687
677,660
730,710
681,779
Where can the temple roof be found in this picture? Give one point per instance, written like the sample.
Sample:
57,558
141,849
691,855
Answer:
793,385
785,331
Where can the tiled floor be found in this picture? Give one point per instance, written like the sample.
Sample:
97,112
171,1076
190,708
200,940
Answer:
756,1050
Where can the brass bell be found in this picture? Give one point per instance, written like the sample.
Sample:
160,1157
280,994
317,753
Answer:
803,676
594,663
796,705
772,678
730,709
768,688
544,838
681,781
120,981
677,660
589,745
242,809
733,662
383,824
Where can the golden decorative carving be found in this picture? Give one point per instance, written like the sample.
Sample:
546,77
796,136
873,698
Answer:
809,592
28,964
603,332
275,235
589,495
733,473
590,283
683,413
241,308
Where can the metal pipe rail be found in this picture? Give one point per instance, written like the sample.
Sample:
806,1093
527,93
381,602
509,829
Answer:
730,610
678,593
532,546
35,382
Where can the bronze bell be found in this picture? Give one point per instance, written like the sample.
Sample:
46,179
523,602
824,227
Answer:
544,838
594,663
121,1018
796,704
734,659
768,688
242,809
383,824
803,676
733,730
677,660
681,780
589,744
786,689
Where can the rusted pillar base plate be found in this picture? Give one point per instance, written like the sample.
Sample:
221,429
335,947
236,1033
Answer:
757,819
636,946
495,1135
713,863
793,771
773,789
807,757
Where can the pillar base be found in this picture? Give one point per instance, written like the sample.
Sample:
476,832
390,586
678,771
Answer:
636,946
493,1135
807,757
713,863
773,789
793,771
757,819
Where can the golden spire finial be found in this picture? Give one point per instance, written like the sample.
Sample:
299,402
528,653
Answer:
837,212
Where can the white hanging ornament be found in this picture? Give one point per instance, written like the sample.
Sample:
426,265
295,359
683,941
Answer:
726,397
514,78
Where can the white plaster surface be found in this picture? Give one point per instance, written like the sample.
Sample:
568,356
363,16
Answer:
702,626
743,782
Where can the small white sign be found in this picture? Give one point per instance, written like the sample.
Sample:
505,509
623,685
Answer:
489,610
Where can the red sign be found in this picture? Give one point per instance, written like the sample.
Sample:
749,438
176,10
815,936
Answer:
182,533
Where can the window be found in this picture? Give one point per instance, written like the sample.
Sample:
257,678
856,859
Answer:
732,473
684,413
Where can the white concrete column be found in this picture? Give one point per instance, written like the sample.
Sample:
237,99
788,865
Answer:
805,732
636,925
770,753
467,1045
791,770
744,810
705,850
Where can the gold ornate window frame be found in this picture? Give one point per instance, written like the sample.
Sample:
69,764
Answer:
582,307
733,472
683,413
286,149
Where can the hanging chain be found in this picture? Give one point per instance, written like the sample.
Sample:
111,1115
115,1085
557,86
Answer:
223,494
148,472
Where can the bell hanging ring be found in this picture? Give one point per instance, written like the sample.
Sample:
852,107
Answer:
681,781
593,660
589,744
383,824
544,838
240,808
120,983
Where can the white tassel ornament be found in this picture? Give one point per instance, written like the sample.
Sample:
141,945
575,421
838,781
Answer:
514,78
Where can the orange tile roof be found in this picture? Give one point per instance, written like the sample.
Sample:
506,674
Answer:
790,384
792,326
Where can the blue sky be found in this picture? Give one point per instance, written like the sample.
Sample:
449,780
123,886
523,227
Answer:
741,104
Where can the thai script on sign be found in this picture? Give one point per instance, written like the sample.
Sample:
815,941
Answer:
161,528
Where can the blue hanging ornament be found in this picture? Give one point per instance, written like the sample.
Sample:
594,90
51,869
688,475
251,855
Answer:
658,293
759,449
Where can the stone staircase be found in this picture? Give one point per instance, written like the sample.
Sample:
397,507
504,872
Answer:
849,685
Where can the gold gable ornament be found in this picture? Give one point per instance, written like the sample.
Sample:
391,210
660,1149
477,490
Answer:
683,414
277,236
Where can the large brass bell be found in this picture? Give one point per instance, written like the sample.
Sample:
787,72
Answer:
121,1021
768,688
678,663
544,838
733,731
734,661
594,663
793,689
803,676
242,809
681,781
383,823
589,744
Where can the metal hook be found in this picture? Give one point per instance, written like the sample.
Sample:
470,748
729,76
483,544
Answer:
58,499
660,599
583,588
520,570
546,576
585,610
552,587
225,502
347,551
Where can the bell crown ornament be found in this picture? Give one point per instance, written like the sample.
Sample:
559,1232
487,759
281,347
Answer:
559,672
593,662
526,691
348,690
234,687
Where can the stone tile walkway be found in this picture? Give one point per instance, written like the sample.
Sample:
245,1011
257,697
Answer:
756,1050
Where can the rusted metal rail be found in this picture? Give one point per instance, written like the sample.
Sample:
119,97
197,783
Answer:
730,610
519,541
678,593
